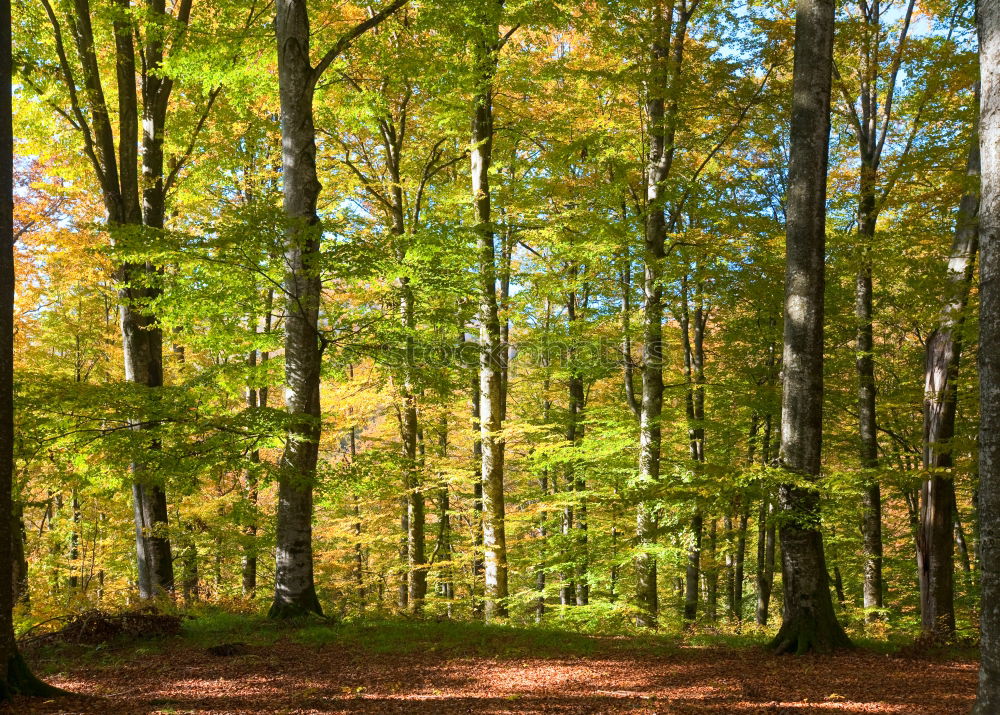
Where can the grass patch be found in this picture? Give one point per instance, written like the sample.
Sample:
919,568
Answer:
213,626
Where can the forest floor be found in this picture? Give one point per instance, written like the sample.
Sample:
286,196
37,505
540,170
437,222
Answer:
399,666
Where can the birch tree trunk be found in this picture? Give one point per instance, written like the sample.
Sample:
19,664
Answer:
935,543
988,695
808,621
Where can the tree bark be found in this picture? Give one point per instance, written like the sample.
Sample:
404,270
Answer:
988,694
808,621
935,542
117,171
294,588
15,677
666,54
486,47
765,559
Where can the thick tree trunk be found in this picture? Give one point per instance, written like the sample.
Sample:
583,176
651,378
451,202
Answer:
294,589
808,621
935,542
15,678
988,695
492,349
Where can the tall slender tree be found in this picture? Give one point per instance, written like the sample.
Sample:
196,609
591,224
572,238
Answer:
808,622
294,588
668,31
133,207
486,45
871,117
935,542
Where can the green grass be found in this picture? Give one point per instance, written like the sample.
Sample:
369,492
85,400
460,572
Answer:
209,626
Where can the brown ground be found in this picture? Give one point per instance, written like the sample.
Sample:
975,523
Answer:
292,678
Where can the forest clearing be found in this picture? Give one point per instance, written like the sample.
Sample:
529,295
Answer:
500,356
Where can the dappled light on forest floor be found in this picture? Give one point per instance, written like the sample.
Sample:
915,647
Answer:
340,677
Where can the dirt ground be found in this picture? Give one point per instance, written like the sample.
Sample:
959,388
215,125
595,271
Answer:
289,677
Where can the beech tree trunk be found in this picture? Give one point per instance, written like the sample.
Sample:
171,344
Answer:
116,166
712,574
486,47
988,694
666,53
15,678
694,370
808,621
249,571
294,588
935,540
765,559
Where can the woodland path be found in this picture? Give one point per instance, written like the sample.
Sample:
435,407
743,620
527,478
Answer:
294,677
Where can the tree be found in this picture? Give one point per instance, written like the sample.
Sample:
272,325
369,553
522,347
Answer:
666,54
808,622
988,695
15,677
294,588
871,124
935,543
135,208
486,45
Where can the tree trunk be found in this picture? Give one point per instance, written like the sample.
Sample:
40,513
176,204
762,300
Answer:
693,570
189,565
712,574
871,498
808,621
666,53
15,678
492,349
477,501
415,543
294,589
988,695
765,559
74,542
19,560
738,566
443,547
935,543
